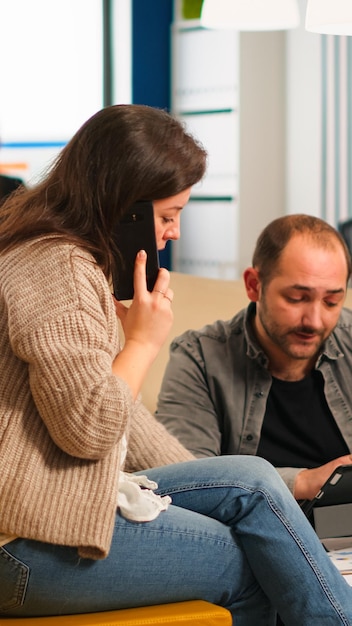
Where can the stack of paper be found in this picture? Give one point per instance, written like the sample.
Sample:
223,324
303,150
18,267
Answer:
343,561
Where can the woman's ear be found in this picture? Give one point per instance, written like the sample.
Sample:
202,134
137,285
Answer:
252,283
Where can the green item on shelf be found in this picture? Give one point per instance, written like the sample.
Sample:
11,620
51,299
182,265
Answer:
191,9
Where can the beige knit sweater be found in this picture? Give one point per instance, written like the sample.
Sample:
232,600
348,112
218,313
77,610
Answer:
62,411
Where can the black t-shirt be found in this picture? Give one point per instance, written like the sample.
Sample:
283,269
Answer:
299,429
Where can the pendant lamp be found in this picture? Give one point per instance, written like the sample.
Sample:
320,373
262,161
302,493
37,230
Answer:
250,15
329,17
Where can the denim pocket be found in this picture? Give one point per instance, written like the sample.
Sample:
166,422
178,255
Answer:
13,581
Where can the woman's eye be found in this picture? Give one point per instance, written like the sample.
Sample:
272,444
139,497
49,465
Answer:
167,220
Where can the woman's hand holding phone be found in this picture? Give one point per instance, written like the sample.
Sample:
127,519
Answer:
146,324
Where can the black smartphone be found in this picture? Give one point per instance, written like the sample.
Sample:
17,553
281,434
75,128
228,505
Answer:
336,490
135,231
330,512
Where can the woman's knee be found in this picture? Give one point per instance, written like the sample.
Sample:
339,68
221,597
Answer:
241,471
253,471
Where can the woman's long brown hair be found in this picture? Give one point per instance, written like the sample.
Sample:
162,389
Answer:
122,154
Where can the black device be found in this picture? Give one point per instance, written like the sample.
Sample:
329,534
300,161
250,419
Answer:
331,509
134,232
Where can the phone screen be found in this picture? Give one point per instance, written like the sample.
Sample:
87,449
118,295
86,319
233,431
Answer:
134,232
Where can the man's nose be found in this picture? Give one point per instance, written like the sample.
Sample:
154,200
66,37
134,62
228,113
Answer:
312,316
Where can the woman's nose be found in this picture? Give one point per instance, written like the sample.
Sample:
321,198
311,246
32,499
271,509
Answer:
173,232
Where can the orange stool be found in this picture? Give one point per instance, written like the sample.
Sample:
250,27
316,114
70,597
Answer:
194,612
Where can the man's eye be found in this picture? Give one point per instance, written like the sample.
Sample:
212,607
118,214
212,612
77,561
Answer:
167,220
331,304
294,300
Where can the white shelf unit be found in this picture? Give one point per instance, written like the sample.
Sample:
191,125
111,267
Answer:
205,98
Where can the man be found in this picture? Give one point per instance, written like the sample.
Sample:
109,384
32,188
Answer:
276,380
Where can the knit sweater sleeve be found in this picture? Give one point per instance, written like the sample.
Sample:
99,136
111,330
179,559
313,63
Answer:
62,322
150,444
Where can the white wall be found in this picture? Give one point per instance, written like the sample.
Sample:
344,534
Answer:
280,128
262,117
303,111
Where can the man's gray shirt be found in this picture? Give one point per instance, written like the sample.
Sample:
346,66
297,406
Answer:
216,384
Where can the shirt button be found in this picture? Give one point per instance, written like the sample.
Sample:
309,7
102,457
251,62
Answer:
249,437
259,394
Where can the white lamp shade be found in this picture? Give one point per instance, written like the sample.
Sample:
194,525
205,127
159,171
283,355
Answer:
250,15
329,17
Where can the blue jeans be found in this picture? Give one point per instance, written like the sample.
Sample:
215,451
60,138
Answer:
234,536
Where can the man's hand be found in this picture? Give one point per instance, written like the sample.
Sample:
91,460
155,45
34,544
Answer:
308,482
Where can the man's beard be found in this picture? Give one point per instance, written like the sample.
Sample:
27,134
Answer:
296,349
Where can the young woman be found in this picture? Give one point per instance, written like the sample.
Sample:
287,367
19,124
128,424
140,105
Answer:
77,533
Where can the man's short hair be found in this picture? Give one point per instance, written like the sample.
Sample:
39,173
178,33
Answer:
276,235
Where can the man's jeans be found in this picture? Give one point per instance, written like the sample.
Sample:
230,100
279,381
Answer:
234,535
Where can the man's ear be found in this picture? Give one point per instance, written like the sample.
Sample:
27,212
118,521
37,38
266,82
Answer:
252,283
